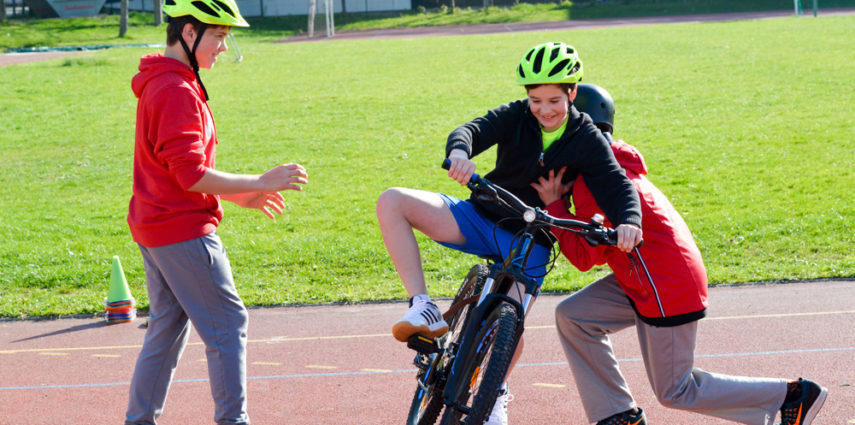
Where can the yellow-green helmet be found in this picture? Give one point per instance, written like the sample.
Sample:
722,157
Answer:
211,12
550,63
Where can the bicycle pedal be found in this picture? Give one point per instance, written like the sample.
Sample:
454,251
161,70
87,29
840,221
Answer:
422,344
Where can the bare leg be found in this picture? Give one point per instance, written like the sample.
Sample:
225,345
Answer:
399,211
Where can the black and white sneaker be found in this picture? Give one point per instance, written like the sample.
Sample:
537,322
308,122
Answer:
422,318
803,410
626,418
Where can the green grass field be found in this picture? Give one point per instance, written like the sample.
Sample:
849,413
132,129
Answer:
745,125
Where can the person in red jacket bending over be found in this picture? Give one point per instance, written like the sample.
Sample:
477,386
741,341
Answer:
663,297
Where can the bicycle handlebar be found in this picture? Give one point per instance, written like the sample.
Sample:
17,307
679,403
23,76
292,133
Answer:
594,232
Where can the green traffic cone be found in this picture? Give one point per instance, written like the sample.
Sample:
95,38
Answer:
119,290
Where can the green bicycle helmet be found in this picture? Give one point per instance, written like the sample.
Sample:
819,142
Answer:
211,12
550,63
598,103
208,12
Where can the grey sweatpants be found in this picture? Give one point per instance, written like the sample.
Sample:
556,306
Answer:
585,320
191,280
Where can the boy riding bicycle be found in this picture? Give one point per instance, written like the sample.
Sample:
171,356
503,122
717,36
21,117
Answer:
663,294
534,135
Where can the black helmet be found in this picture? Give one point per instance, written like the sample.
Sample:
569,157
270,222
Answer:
596,102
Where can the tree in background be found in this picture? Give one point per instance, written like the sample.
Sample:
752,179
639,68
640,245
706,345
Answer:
2,10
123,19
158,13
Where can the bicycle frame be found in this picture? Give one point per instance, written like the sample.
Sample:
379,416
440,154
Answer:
503,277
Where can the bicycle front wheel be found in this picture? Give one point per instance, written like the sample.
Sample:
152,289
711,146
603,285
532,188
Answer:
484,368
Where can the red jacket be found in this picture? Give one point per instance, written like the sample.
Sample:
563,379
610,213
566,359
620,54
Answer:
175,145
677,290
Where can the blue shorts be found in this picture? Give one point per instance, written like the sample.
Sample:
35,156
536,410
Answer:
485,239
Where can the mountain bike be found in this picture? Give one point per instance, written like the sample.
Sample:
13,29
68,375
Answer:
461,372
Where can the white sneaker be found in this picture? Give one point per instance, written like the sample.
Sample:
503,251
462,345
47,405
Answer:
499,415
422,318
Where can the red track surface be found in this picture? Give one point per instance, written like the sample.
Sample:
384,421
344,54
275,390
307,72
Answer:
340,364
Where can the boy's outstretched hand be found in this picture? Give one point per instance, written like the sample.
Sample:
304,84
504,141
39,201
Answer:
284,177
267,202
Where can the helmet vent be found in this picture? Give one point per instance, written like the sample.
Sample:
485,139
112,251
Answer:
554,54
205,8
520,71
559,67
575,68
225,8
537,61
169,2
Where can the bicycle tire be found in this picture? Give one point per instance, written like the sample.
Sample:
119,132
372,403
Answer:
427,401
471,286
486,366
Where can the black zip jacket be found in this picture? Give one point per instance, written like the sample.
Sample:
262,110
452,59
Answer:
520,160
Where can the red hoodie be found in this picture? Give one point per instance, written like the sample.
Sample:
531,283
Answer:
175,145
676,292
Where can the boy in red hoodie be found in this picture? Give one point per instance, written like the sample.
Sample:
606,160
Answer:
175,210
663,297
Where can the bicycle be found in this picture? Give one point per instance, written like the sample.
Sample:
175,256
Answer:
460,373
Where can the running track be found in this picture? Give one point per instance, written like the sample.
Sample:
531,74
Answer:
340,365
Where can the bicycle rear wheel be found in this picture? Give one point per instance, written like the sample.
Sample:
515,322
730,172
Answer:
427,401
484,368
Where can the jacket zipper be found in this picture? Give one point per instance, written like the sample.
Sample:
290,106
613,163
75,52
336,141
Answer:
540,161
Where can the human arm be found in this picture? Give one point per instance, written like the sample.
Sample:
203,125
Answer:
611,188
254,191
281,177
469,139
556,196
574,247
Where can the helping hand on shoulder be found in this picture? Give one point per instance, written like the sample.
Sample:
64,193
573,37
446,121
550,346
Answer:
551,189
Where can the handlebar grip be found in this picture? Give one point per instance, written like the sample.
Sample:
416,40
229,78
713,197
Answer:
446,165
612,234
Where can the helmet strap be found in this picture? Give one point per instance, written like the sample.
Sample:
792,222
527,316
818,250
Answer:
191,55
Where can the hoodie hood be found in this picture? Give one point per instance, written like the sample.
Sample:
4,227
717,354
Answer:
629,157
155,65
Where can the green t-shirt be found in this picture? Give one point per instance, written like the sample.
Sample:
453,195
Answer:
550,137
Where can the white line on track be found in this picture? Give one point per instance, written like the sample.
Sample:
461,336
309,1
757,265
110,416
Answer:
383,372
